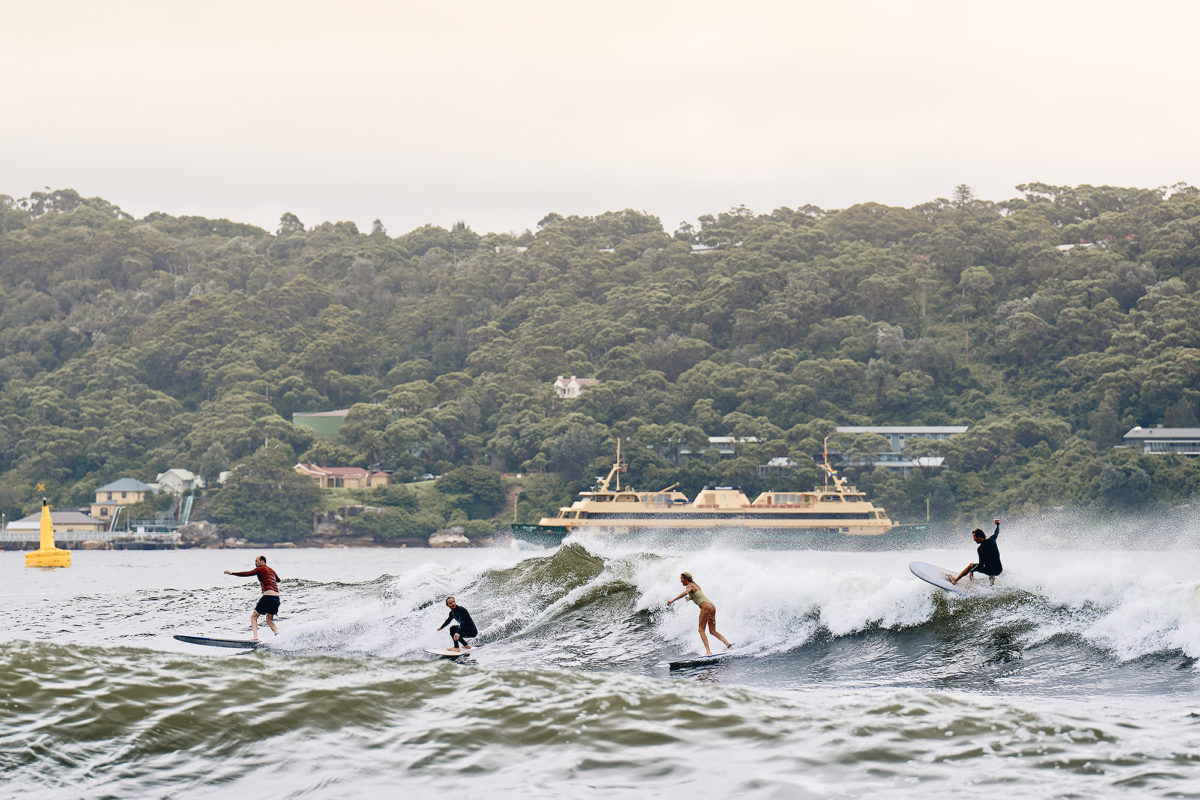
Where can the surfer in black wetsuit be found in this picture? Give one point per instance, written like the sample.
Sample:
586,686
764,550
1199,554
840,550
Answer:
465,629
989,557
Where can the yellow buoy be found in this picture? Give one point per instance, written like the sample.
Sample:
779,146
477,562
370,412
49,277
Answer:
47,555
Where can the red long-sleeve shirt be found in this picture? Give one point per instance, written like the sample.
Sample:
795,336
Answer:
266,577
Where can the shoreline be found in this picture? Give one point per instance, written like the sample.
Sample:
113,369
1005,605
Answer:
242,544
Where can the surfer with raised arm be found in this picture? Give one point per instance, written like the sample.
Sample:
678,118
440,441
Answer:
269,602
708,610
989,557
465,629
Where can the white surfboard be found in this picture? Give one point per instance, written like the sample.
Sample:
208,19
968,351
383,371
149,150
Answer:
940,577
450,653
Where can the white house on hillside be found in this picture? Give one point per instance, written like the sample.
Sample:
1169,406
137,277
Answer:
571,387
896,435
1160,441
179,481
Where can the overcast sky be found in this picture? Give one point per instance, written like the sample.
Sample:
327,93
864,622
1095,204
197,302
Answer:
497,113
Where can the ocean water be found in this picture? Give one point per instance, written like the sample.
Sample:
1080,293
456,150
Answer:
1076,677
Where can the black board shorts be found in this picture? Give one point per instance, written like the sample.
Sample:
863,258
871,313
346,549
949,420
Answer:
268,604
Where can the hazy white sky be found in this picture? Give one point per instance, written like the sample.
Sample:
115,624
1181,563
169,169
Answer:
497,113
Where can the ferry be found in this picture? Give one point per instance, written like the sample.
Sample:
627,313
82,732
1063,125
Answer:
833,510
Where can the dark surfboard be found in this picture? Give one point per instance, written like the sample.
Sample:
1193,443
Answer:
238,644
700,661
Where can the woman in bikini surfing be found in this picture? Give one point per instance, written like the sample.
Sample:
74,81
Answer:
708,610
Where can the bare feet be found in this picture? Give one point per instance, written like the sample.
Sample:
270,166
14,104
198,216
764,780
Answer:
466,647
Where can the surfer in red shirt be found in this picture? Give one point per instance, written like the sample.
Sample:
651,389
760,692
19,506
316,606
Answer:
269,602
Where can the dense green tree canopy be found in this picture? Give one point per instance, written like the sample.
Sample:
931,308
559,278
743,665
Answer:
1049,323
264,500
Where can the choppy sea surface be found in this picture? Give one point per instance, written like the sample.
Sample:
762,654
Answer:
1076,678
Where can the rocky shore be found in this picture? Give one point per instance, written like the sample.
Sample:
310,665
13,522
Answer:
337,528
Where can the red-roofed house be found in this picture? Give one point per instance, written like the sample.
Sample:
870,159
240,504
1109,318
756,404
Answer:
343,477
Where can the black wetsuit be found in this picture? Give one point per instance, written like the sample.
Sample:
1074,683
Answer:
989,556
465,628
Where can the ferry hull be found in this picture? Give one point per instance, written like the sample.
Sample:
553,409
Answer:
739,536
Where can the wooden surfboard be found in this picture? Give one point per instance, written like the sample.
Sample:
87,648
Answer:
451,653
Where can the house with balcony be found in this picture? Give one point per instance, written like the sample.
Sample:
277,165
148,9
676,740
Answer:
1162,441
121,492
897,436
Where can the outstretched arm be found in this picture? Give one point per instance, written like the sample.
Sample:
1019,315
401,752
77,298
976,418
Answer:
242,574
449,619
997,533
681,594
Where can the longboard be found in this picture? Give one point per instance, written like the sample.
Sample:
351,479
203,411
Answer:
700,661
940,577
240,644
451,653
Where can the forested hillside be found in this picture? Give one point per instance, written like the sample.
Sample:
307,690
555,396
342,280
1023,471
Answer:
128,346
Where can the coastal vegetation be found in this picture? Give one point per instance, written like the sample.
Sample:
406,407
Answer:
1049,323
